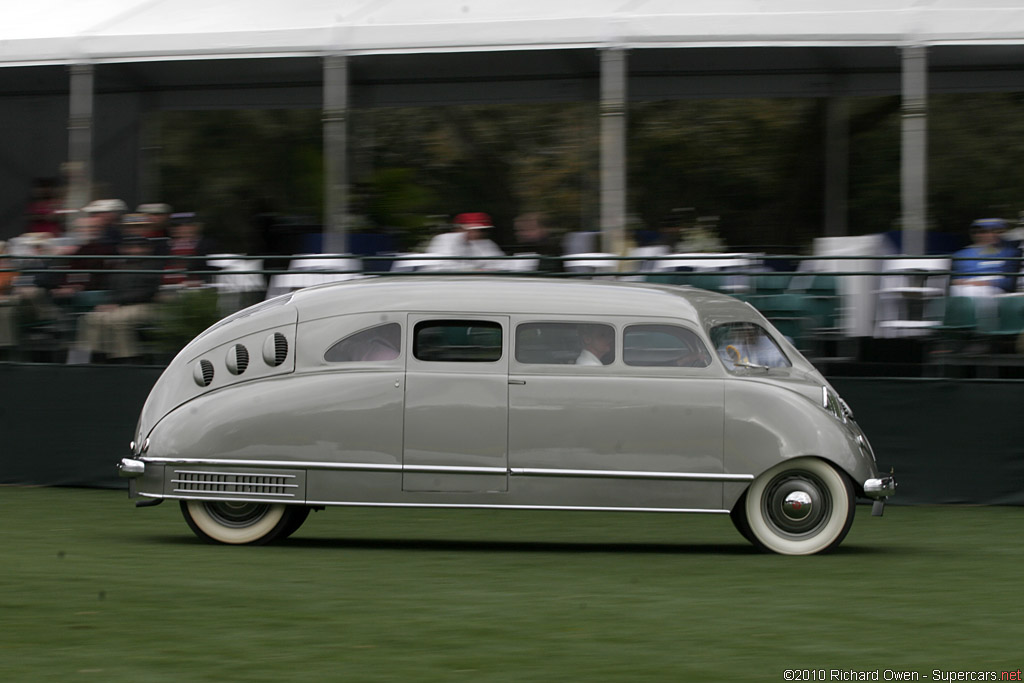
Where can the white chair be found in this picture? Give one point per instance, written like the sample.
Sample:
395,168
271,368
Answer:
307,272
595,263
237,285
905,291
709,263
522,263
645,260
410,263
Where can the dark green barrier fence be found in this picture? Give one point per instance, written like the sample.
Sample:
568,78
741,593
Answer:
69,425
949,441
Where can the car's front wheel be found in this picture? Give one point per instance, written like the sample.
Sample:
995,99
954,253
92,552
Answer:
799,507
241,523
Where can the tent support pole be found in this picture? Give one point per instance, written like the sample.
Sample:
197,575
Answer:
80,122
335,116
914,153
613,150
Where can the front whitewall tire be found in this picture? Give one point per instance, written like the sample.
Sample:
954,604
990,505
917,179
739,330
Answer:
800,507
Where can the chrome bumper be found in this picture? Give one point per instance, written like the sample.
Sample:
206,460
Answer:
880,488
130,467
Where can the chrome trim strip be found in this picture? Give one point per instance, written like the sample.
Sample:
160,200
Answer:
487,506
199,492
628,474
288,464
450,469
473,506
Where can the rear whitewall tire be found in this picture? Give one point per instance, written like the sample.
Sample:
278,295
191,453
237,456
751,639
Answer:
801,506
235,523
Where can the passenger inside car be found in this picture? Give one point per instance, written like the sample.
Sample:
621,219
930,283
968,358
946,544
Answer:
747,344
598,343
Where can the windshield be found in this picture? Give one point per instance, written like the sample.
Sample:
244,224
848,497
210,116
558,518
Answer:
746,344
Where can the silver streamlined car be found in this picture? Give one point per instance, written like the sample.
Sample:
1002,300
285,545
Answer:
511,393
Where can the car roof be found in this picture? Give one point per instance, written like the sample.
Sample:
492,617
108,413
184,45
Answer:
483,295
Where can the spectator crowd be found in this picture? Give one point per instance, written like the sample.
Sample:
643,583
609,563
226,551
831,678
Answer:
91,288
88,285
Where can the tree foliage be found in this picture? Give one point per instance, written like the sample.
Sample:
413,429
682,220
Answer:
757,165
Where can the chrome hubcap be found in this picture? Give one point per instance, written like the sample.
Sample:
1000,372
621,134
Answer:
797,504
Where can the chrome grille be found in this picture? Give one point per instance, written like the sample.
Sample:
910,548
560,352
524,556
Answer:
235,483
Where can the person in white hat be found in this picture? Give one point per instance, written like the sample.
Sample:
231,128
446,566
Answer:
105,214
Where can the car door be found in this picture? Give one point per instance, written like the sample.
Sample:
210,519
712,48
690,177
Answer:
640,430
456,404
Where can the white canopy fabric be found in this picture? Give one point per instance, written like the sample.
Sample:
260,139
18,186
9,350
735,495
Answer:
71,31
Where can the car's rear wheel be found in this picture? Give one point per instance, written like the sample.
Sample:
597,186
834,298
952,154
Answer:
241,523
799,507
297,515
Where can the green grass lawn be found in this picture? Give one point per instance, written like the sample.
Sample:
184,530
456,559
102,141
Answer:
92,588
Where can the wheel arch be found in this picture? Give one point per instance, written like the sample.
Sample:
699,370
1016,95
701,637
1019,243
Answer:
735,491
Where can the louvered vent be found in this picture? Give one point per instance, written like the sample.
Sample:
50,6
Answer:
275,349
196,481
203,373
238,359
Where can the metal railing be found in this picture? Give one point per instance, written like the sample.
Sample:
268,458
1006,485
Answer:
984,343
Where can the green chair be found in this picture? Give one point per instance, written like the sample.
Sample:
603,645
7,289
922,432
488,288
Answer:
1009,319
789,313
957,329
959,315
767,284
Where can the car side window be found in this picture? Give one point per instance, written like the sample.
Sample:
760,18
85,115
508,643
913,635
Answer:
743,344
663,346
382,342
546,343
463,341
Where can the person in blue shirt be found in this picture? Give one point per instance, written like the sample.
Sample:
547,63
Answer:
983,269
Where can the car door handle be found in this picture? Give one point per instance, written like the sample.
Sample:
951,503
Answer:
517,381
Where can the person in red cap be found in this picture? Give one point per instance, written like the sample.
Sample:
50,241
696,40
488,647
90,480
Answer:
468,245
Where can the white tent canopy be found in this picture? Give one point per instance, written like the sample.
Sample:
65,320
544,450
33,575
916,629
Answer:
97,31
130,57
